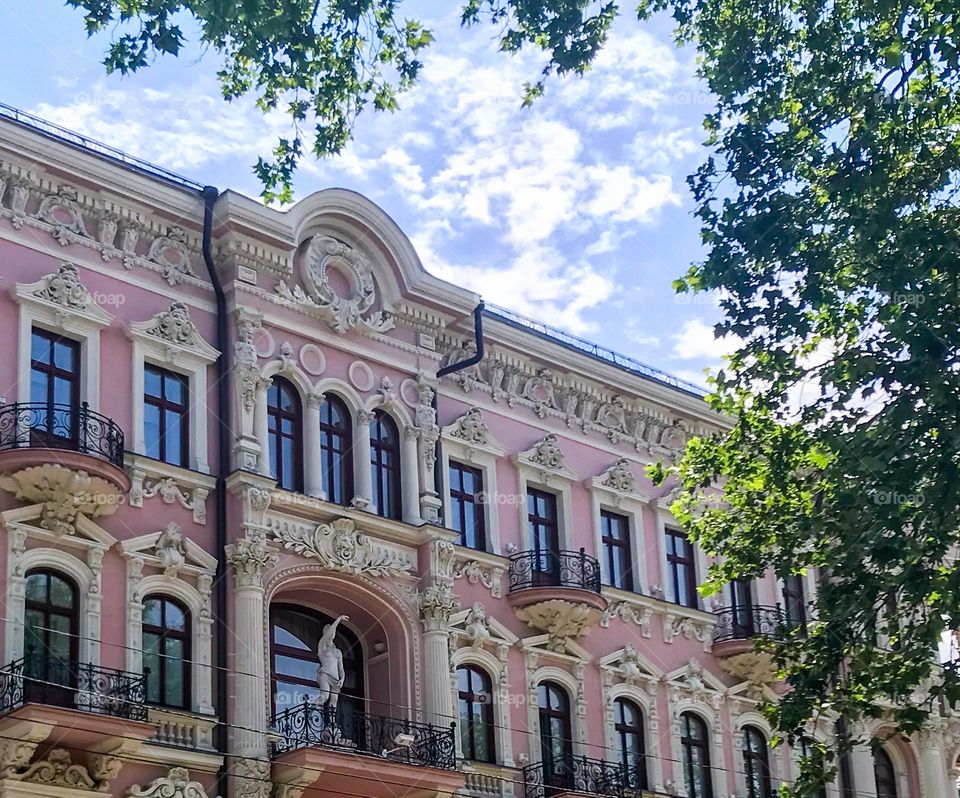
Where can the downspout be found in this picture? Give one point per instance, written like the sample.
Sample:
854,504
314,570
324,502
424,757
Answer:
210,195
451,368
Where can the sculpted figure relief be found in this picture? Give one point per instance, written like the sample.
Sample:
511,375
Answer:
330,673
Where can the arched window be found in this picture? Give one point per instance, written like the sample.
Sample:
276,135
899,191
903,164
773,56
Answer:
696,756
476,714
628,724
336,444
885,774
294,634
556,746
166,652
756,763
285,426
50,623
385,465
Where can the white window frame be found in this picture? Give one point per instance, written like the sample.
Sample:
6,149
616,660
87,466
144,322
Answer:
191,362
480,455
81,325
200,567
55,552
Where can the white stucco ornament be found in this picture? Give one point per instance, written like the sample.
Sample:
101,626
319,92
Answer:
176,784
343,307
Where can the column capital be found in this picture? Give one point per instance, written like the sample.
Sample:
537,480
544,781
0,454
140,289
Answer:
249,559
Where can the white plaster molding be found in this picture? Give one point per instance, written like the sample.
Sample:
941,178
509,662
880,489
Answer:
176,784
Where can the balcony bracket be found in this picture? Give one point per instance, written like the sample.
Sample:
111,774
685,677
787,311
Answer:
562,619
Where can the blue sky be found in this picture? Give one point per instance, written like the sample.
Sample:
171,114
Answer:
575,212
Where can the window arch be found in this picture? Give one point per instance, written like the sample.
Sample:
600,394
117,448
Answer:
756,763
695,745
285,428
631,744
556,738
51,623
336,447
166,651
385,465
885,774
475,694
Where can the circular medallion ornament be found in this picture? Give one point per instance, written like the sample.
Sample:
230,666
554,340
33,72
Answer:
361,375
313,360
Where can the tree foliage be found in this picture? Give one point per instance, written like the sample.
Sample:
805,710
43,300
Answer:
829,211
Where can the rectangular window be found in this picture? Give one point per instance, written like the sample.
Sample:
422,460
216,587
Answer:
794,603
166,402
615,536
681,568
466,505
544,535
54,388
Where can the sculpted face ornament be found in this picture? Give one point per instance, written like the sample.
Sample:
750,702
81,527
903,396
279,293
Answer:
330,674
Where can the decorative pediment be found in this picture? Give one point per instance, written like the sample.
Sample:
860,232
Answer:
340,288
64,295
629,666
170,551
618,482
547,458
476,627
58,770
543,646
176,784
174,329
82,532
472,431
696,683
340,546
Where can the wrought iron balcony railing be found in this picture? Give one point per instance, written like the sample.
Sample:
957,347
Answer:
89,688
421,744
745,623
29,425
554,569
584,775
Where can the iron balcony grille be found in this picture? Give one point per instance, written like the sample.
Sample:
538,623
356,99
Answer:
36,679
584,775
745,623
554,569
309,725
28,425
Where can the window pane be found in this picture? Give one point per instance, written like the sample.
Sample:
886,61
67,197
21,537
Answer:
152,612
152,380
64,356
37,587
151,430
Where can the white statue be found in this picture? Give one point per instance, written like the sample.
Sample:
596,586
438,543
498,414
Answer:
330,671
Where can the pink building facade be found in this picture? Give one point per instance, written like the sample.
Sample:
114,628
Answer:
223,427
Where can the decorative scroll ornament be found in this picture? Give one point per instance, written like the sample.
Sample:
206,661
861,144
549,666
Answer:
174,325
176,784
342,313
474,572
471,427
619,476
626,611
548,453
58,770
62,211
341,547
64,288
170,252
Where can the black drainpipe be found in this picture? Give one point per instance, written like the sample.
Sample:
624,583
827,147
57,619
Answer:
210,195
450,369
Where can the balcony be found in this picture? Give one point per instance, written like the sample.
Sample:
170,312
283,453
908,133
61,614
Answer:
418,759
735,635
557,592
583,776
69,459
79,686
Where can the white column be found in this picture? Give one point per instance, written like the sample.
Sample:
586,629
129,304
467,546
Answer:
362,478
436,605
313,469
249,559
262,427
409,478
933,764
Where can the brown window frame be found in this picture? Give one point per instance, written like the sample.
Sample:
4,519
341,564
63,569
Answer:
617,547
688,742
689,596
624,729
478,709
164,632
336,443
385,465
459,497
163,404
756,763
51,372
276,416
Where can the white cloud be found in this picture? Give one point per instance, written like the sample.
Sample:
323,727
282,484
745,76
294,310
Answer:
696,341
